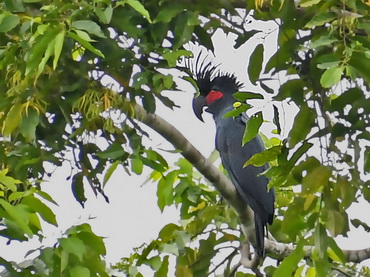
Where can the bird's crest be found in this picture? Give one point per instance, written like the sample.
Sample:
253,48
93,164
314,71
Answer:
207,76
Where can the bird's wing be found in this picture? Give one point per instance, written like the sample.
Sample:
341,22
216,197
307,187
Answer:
251,185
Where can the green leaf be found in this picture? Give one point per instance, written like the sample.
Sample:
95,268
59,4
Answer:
367,159
59,41
167,13
316,180
350,72
255,64
64,259
18,215
356,222
234,113
172,56
321,240
105,15
74,246
264,157
351,95
79,271
291,89
165,190
245,95
108,13
48,52
8,22
149,101
163,270
85,44
38,51
167,232
38,207
360,64
114,151
331,76
170,248
8,181
335,223
139,8
336,253
137,166
322,41
252,127
30,121
46,196
184,27
311,272
328,65
110,171
89,26
78,188
95,242
185,166
12,120
302,125
298,272
321,19
276,119
289,264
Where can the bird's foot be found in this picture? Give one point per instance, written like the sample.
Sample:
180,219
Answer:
248,260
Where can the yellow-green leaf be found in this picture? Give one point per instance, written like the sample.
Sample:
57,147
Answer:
331,76
289,264
79,271
8,181
137,166
252,127
266,156
308,3
315,180
335,252
12,120
311,272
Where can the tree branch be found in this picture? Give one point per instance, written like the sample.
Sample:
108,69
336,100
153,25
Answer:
226,188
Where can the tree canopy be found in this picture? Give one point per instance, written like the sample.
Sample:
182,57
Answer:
73,71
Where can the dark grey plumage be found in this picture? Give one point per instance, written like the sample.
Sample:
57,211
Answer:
251,185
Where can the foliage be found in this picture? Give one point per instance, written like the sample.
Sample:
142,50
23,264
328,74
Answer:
73,71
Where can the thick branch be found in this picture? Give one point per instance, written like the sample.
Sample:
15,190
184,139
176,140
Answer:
281,250
204,166
226,188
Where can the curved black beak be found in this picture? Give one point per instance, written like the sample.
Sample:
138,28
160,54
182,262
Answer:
198,104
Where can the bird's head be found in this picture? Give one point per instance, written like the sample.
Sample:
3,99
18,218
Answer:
214,87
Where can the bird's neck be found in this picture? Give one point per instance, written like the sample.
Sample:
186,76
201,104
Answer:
221,106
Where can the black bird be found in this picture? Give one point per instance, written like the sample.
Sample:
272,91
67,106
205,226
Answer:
216,92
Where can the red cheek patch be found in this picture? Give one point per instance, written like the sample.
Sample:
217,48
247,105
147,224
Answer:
213,95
